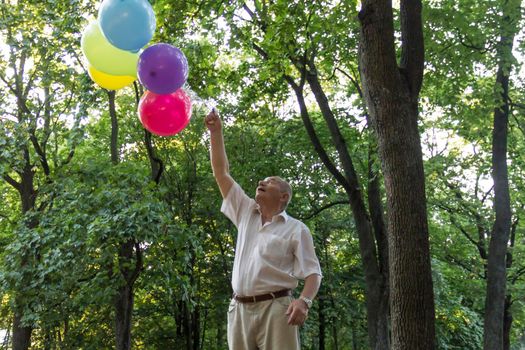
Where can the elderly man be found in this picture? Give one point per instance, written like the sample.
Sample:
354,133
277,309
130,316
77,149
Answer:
273,251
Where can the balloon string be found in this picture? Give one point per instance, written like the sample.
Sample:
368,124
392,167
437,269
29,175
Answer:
207,103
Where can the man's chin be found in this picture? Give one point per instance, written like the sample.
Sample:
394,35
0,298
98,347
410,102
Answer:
259,198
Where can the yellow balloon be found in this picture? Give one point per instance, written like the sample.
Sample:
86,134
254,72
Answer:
107,81
105,57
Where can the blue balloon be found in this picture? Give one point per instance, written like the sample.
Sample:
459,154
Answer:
127,24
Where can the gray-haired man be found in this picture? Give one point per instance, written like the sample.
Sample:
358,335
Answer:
273,251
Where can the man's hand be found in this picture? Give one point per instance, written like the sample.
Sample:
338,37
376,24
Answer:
297,312
212,121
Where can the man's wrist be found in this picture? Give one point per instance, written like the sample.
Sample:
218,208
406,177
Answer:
307,301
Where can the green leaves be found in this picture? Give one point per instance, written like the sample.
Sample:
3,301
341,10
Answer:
67,268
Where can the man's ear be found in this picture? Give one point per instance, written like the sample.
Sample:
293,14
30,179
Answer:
285,196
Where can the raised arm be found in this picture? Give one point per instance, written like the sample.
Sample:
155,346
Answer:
219,160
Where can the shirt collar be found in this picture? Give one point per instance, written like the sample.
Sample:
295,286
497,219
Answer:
282,214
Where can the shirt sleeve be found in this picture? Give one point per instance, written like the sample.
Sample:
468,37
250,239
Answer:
235,204
306,262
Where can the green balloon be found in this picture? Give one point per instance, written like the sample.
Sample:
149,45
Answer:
104,56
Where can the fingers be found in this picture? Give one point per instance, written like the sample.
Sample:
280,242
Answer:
289,310
212,118
296,314
213,113
296,319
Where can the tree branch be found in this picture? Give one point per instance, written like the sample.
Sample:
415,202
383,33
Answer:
353,81
310,130
12,182
41,154
464,266
478,244
469,45
317,211
516,276
157,166
138,264
339,142
305,116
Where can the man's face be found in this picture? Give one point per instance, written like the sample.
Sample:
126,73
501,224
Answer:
269,191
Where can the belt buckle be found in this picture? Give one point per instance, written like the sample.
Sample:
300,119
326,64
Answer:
254,299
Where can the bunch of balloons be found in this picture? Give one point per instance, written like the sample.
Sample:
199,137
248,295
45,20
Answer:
112,46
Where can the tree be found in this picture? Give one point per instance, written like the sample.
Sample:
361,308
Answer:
41,91
497,262
391,92
482,86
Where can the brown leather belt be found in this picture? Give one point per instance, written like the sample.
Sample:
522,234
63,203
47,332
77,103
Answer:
262,297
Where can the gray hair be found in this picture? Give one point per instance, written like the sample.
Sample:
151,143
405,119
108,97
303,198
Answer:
285,187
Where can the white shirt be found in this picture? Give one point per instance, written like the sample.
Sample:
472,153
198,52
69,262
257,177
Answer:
268,257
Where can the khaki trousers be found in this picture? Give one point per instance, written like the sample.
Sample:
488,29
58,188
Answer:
261,326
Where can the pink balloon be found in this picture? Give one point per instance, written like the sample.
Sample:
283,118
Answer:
165,115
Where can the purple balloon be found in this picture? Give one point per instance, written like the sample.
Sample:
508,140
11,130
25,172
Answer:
162,68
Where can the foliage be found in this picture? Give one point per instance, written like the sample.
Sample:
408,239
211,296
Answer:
65,271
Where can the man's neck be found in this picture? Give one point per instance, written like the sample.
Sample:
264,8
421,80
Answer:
268,213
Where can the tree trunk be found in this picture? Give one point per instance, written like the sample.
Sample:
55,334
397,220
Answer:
354,339
378,222
195,326
202,340
507,323
21,334
123,311
124,298
114,127
496,264
391,94
335,338
219,336
322,325
48,338
186,324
